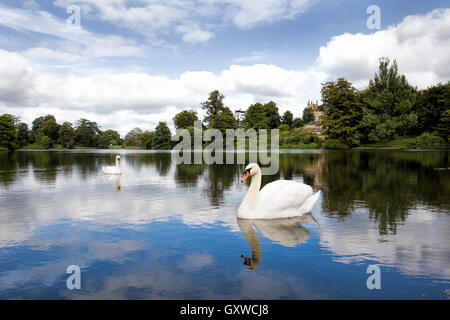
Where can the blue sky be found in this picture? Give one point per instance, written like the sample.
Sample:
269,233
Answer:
144,60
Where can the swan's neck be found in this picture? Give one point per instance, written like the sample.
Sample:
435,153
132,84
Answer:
117,164
252,193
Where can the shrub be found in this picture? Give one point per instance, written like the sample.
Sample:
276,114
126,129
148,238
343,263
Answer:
426,141
334,144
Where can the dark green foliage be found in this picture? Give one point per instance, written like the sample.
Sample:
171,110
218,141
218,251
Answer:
335,144
341,113
262,116
255,117
443,126
38,123
66,135
23,135
43,141
161,138
185,119
308,115
388,104
146,139
430,105
427,141
110,137
223,121
132,138
299,136
7,132
287,118
297,123
87,133
271,112
214,105
50,128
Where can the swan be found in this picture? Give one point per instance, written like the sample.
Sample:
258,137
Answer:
278,199
113,169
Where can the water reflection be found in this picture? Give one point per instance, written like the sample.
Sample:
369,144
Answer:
8,168
288,232
114,177
385,207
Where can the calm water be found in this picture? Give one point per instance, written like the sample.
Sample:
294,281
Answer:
171,232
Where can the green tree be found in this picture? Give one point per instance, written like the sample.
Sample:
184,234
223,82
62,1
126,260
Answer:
50,128
443,126
308,115
66,135
43,141
223,121
87,133
297,123
271,112
7,132
23,135
162,137
185,119
214,105
341,112
37,125
429,105
255,117
388,104
111,137
146,139
132,138
287,118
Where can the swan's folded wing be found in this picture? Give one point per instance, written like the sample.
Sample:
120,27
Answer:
282,195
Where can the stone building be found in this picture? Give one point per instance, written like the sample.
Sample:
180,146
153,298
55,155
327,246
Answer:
315,126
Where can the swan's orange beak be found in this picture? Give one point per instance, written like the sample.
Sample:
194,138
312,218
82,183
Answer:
246,175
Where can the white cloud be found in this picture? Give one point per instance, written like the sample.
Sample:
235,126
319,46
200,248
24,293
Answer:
420,44
151,16
193,34
248,13
76,43
142,98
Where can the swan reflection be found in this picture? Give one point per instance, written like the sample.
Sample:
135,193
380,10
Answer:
114,177
288,232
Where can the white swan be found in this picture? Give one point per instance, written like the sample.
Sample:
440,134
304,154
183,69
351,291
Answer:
278,199
113,169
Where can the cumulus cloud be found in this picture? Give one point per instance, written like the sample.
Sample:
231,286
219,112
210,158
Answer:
420,43
107,95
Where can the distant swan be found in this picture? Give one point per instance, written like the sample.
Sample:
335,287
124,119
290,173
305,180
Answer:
278,199
113,169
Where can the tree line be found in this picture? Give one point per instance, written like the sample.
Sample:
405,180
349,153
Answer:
387,109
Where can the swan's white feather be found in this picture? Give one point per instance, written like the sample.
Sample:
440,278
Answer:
282,199
111,170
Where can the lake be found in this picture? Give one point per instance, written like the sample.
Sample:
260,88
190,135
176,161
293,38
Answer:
167,231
